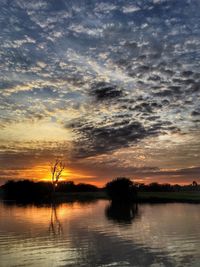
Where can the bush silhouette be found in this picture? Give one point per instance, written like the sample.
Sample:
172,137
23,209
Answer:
26,190
121,189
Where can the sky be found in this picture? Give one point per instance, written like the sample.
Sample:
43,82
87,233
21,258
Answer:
110,87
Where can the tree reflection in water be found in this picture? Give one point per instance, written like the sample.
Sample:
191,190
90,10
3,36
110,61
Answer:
55,226
123,213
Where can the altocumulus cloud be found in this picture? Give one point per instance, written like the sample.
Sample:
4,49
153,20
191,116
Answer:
114,72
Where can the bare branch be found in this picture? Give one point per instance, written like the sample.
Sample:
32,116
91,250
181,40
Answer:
56,171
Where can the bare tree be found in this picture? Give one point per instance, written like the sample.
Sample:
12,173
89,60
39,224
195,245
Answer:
56,170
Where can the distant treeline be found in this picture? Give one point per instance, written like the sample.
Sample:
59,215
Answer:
26,190
30,190
156,187
72,187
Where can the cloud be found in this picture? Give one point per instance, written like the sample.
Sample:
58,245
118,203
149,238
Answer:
105,91
96,140
130,9
186,175
195,113
118,72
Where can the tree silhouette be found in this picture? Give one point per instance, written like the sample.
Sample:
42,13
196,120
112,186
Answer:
56,170
121,189
194,183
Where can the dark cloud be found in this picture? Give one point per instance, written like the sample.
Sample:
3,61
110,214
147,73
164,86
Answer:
143,107
97,139
191,172
164,93
195,113
105,91
187,73
101,139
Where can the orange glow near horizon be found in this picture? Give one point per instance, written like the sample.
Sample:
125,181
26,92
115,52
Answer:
42,172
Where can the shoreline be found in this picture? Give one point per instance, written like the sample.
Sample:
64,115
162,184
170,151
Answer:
192,197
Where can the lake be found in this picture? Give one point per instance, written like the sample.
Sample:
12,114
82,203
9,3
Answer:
99,234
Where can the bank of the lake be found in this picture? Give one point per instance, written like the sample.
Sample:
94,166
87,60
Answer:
143,197
159,197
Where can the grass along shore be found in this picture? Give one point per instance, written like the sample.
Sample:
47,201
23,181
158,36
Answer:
181,196
143,197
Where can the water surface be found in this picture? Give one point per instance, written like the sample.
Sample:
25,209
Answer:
97,234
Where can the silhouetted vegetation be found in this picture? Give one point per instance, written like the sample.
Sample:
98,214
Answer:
121,189
118,190
167,197
71,187
156,187
26,190
56,171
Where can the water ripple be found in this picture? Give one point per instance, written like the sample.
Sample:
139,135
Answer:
92,235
